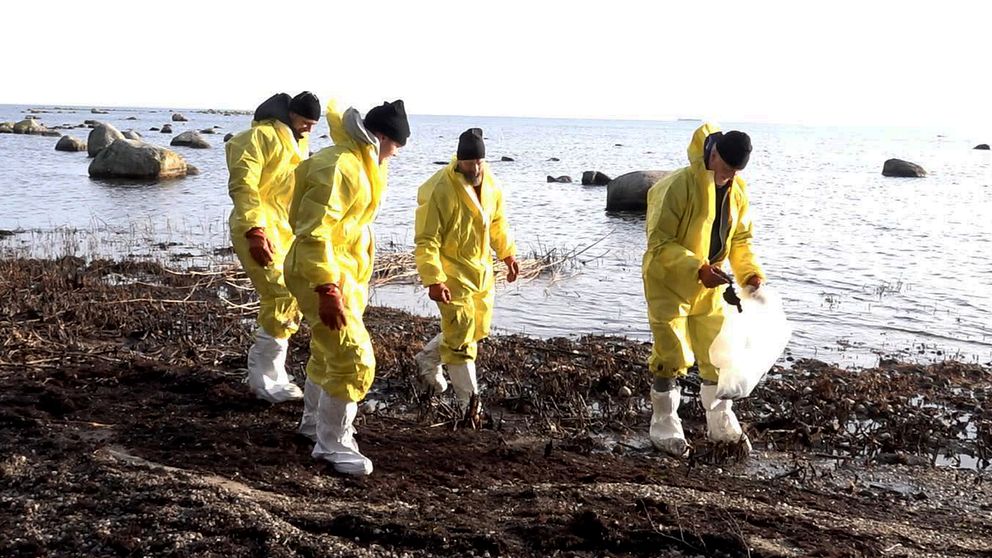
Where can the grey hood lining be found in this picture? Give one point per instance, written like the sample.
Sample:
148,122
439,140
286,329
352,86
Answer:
355,127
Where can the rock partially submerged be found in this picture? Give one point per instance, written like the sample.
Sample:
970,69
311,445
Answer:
100,137
902,169
134,159
228,136
29,126
178,117
166,129
982,147
561,179
69,143
6,127
131,134
629,192
594,178
190,139
506,159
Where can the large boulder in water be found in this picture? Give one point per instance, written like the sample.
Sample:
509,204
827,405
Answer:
904,169
594,178
100,137
190,139
629,192
69,143
134,159
29,126
178,117
6,127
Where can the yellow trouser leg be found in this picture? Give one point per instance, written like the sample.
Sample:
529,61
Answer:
670,355
278,312
342,362
704,323
464,322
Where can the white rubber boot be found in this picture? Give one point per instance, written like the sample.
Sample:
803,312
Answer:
267,375
429,365
721,422
666,427
336,436
311,398
464,382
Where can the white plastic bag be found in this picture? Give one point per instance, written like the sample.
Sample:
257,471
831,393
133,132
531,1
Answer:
749,342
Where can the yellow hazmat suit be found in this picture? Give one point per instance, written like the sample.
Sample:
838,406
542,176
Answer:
337,196
456,235
684,315
261,162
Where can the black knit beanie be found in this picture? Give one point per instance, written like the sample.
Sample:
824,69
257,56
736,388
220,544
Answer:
735,148
471,146
306,105
389,119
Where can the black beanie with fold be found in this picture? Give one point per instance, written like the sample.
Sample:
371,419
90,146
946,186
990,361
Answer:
471,146
306,105
389,119
734,148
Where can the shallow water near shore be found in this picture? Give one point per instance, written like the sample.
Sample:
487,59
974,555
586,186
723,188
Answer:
867,266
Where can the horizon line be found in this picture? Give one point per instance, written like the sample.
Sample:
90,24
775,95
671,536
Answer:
56,106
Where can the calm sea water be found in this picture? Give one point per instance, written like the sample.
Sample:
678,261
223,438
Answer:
867,265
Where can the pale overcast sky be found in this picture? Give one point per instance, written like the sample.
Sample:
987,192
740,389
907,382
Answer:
839,62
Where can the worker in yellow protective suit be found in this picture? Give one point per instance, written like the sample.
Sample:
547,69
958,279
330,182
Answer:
460,222
261,162
329,267
697,219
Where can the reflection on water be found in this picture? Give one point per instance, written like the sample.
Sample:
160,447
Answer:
867,265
